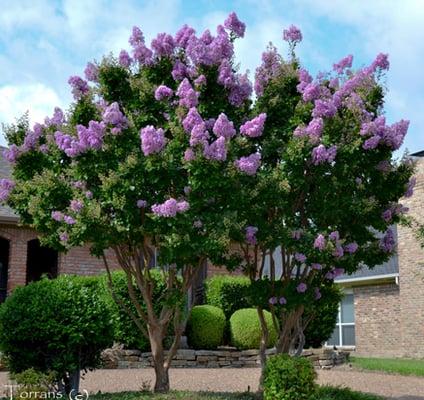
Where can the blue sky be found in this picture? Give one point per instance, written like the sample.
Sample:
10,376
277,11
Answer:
43,42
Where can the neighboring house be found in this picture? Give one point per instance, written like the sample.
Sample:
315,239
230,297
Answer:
382,313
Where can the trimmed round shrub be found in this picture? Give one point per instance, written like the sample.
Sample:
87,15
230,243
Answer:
59,326
246,331
205,327
289,378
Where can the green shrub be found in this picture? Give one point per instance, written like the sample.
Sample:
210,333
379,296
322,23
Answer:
289,378
205,327
323,316
126,331
230,293
59,326
33,384
246,331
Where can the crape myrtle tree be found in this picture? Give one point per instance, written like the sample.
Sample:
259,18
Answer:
142,165
327,190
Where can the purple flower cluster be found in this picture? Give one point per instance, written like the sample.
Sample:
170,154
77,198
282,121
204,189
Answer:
313,130
300,257
292,34
188,96
170,208
351,248
270,67
301,287
233,24
344,63
57,216
6,186
163,92
321,154
410,187
12,153
76,205
91,72
112,115
192,119
251,235
224,127
152,140
254,127
217,150
319,242
141,203
57,119
124,59
387,242
250,164
163,45
183,36
199,135
79,87
240,91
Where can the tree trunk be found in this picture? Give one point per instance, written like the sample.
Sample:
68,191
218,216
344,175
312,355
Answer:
69,385
156,336
263,345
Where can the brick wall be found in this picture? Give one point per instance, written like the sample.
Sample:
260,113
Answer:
76,261
411,274
377,320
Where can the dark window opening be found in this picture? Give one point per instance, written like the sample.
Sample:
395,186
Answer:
41,261
4,267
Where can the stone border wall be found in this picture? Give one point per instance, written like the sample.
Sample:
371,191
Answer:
225,357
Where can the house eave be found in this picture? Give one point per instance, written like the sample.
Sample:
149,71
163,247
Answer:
9,220
369,280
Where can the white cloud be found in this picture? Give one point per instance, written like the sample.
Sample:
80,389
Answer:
36,98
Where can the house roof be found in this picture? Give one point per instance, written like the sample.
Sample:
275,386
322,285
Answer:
6,213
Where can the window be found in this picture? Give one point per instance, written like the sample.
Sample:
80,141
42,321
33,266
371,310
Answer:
344,332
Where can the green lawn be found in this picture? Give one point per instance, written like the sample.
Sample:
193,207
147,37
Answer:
325,393
400,366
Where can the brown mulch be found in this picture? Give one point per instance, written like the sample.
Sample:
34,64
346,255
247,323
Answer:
394,387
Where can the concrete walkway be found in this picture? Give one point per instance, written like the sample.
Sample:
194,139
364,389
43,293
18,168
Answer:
394,387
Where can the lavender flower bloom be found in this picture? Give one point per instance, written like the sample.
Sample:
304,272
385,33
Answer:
57,216
240,91
324,108
317,294
189,155
69,220
329,275
63,237
79,87
387,215
89,194
216,150
163,92
387,242
152,140
310,92
371,143
344,63
251,235
381,62
351,248
316,266
410,187
319,242
358,181
192,119
233,24
301,287
314,128
300,257
141,203
395,134
282,301
78,185
163,45
338,251
224,127
292,34
254,127
170,208
225,74
142,54
12,153
199,135
136,37
183,35
114,116
76,205
179,71
91,137
200,80
270,67
338,272
91,72
320,154
188,96
272,300
124,59
57,119
250,164
334,236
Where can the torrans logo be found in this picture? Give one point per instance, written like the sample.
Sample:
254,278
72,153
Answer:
22,394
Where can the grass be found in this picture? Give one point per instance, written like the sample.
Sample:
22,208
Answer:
324,393
400,366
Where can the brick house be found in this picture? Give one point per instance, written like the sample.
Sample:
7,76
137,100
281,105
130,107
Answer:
382,313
